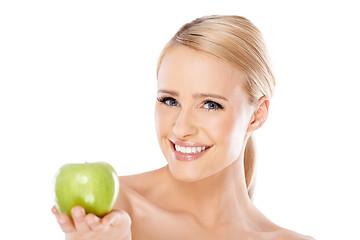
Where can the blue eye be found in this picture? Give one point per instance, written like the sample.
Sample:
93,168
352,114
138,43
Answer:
211,105
168,101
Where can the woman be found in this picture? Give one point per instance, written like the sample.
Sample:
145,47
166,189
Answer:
214,89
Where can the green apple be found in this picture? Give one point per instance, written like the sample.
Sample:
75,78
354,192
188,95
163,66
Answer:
94,186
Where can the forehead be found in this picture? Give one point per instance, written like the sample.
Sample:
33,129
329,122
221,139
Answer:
189,71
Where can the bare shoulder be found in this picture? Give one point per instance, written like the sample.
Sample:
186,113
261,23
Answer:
286,234
135,189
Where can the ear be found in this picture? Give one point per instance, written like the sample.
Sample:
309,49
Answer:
260,114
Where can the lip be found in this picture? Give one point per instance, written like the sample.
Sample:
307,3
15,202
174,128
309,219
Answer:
188,156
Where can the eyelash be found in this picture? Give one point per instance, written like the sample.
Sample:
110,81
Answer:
219,106
207,101
164,99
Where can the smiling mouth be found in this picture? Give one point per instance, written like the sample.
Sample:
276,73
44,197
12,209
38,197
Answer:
189,150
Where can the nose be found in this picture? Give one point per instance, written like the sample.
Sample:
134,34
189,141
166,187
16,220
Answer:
184,125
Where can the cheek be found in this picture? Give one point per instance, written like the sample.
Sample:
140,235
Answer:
227,132
158,120
220,127
163,119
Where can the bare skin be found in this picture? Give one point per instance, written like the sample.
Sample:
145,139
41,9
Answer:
157,213
201,101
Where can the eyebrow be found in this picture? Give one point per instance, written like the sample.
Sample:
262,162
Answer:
202,95
196,95
169,92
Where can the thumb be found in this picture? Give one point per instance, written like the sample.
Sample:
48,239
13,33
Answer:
117,217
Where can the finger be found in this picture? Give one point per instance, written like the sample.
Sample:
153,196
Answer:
78,214
118,217
66,224
55,211
94,222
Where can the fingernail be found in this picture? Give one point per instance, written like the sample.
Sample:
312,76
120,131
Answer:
77,213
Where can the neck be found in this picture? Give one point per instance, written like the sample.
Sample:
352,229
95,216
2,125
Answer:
220,198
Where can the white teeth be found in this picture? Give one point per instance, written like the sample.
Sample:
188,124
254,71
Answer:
189,149
193,150
182,149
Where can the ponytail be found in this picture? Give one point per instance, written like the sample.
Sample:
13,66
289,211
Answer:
249,166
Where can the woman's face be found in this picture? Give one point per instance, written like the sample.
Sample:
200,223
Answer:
202,113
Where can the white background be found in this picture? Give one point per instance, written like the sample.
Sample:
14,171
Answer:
77,83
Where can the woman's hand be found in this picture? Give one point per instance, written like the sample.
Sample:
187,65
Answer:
114,225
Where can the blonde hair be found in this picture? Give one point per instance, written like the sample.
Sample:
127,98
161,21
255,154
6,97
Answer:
236,40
